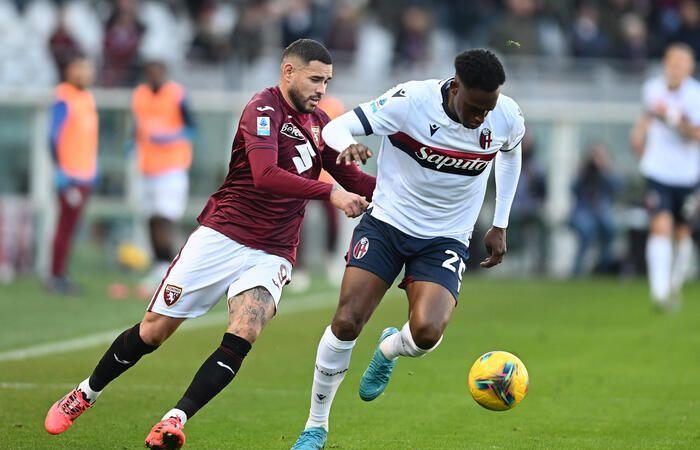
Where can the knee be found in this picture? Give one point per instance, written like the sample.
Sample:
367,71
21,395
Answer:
347,325
426,335
154,330
662,224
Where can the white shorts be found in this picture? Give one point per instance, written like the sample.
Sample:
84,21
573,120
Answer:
211,265
165,195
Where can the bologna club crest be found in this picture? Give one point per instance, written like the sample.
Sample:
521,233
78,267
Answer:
171,294
360,248
485,139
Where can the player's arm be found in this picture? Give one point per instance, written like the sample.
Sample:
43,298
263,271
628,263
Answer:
639,133
262,151
383,116
350,176
59,114
339,135
507,173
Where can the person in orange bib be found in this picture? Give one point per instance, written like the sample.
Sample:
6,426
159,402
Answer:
73,141
163,130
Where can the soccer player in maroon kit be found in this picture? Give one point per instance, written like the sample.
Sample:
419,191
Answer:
245,244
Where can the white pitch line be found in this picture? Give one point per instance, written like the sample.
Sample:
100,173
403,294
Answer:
294,304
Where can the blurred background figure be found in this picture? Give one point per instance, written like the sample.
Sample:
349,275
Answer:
122,38
73,138
593,216
528,227
666,137
163,129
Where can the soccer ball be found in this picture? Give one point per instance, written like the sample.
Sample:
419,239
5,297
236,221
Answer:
498,380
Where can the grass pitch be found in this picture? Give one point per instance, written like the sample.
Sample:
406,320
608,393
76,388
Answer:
605,372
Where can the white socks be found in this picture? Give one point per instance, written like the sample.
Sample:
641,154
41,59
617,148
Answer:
681,263
332,362
176,413
402,344
659,260
85,387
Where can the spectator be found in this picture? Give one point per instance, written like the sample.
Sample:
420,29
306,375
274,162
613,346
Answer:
634,46
247,38
595,189
298,22
63,47
342,37
587,38
520,24
73,138
689,31
412,38
528,227
122,39
214,25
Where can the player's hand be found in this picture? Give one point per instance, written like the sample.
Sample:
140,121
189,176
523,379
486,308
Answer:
495,242
354,153
351,204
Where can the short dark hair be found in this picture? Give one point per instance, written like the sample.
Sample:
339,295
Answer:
308,50
480,69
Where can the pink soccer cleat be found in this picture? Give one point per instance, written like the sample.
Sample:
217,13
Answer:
64,412
166,435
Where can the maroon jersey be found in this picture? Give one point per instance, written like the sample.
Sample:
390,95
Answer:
277,156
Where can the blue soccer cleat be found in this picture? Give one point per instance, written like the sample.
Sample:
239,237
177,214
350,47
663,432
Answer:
311,439
377,375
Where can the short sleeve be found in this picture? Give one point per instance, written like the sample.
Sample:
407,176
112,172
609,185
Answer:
517,130
259,123
386,114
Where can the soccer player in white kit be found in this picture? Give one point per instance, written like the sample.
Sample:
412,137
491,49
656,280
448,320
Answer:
441,138
667,138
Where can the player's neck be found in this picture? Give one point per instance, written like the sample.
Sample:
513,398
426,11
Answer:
288,100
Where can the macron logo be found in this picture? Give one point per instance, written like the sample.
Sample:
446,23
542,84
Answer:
265,108
320,397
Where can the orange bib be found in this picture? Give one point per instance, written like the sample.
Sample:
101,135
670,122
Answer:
159,114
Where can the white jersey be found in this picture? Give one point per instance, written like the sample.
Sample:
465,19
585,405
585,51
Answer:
669,157
433,171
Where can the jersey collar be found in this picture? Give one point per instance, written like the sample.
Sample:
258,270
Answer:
445,90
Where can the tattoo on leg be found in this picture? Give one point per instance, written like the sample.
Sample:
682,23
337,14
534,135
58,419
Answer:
250,311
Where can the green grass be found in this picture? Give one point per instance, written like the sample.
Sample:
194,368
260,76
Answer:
606,372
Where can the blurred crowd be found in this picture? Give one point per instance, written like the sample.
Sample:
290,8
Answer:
122,33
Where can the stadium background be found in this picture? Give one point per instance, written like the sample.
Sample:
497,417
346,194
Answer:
575,67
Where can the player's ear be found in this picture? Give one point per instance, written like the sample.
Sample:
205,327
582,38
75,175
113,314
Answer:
288,70
454,86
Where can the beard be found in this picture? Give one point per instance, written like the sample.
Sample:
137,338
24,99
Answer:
299,102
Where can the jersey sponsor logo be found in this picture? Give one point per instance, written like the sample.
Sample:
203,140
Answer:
378,104
171,294
443,160
263,126
265,108
288,129
316,133
485,139
433,128
360,249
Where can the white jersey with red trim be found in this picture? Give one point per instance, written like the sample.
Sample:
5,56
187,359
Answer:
433,171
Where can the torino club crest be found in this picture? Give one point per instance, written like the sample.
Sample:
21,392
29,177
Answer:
360,248
171,294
